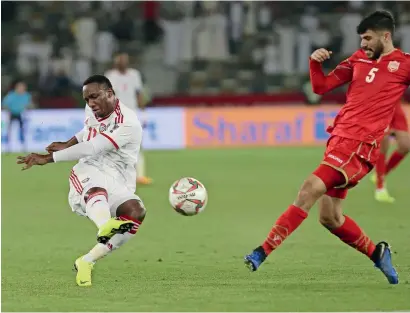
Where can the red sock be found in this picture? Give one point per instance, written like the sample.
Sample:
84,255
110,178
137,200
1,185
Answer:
137,223
380,170
394,160
351,234
284,226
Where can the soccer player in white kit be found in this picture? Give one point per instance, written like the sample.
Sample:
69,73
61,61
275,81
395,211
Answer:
127,84
103,182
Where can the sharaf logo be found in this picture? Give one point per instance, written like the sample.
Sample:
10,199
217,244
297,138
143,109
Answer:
335,158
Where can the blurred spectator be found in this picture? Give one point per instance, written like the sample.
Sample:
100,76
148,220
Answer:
348,23
403,33
151,15
287,40
85,29
32,52
123,28
309,20
16,102
172,14
264,13
105,46
236,23
81,70
63,83
272,57
211,38
250,18
216,24
322,37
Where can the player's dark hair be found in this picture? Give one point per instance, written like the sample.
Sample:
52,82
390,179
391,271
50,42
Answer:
100,80
377,21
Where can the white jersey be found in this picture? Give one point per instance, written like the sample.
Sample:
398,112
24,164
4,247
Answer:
123,130
126,85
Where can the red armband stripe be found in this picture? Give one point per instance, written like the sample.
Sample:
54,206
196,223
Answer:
110,139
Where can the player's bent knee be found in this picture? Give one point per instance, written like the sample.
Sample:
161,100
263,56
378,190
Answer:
93,192
132,208
312,189
403,147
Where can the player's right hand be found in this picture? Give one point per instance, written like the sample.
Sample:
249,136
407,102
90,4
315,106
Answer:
34,159
56,146
321,55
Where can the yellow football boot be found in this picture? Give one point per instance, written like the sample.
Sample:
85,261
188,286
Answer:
84,269
112,227
382,195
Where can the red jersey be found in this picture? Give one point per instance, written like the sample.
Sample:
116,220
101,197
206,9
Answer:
376,87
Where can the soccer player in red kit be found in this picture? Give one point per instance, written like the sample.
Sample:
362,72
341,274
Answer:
399,128
378,75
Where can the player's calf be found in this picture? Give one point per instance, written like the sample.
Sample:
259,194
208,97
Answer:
323,179
312,189
130,212
403,148
98,210
330,212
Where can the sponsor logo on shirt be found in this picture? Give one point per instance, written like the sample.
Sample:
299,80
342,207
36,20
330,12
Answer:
365,61
335,158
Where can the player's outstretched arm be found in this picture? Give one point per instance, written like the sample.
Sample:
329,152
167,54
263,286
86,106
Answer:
34,159
322,83
73,153
99,144
58,146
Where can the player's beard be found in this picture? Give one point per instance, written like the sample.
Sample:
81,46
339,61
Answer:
377,51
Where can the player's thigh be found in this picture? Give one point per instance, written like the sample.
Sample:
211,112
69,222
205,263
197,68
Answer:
352,158
403,141
82,179
330,208
399,121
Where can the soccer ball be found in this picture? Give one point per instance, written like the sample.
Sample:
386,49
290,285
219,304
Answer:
188,196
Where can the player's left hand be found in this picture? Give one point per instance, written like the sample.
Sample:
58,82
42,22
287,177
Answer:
34,159
56,146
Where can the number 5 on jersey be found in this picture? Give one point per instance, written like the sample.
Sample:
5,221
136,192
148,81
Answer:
372,73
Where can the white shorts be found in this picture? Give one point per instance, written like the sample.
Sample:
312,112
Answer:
84,177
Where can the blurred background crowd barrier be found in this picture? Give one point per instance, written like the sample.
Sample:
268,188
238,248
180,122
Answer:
217,73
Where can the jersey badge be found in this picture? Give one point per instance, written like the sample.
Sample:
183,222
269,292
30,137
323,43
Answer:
103,127
393,66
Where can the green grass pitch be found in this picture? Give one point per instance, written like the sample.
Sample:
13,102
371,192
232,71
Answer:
179,263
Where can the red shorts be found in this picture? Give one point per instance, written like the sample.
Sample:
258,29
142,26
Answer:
353,158
399,121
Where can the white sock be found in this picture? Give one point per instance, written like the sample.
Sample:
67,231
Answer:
141,165
118,240
98,210
100,250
